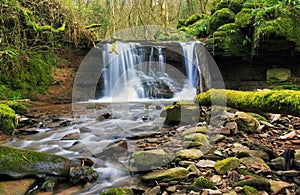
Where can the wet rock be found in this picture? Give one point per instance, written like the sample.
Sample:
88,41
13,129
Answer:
71,136
255,163
104,116
150,159
278,186
227,164
200,129
202,182
258,183
16,187
49,185
118,191
181,112
206,163
176,173
115,148
246,122
189,154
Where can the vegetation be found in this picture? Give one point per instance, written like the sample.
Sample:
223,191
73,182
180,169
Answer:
273,101
8,121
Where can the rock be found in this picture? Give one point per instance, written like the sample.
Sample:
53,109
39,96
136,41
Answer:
189,154
150,159
118,191
278,163
18,163
118,147
153,191
8,120
216,179
246,122
258,183
197,137
231,192
297,159
278,186
211,192
278,75
176,173
202,182
193,168
248,190
239,147
171,189
71,136
200,129
16,187
289,173
232,126
206,163
255,163
181,112
227,164
256,153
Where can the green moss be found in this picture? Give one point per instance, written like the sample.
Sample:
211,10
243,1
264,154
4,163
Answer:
118,191
176,173
218,4
192,19
258,183
202,182
258,116
244,18
227,164
274,101
221,17
236,5
248,190
201,28
18,163
18,107
8,121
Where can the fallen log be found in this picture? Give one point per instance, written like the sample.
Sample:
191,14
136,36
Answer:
264,101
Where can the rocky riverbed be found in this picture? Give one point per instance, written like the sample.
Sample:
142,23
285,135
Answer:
230,152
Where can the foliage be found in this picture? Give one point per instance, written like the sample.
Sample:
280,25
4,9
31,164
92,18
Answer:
221,17
202,182
8,121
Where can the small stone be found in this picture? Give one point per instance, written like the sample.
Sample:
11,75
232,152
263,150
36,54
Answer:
216,179
225,131
232,126
206,163
200,129
278,163
238,189
278,186
185,163
189,154
246,122
231,192
211,192
289,173
171,189
202,182
153,191
197,137
194,169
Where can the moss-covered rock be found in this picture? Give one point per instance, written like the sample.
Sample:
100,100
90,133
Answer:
197,137
192,19
189,154
202,182
176,173
118,191
8,120
227,164
221,17
248,190
278,75
244,18
260,163
246,122
192,130
201,28
258,183
150,159
181,112
272,101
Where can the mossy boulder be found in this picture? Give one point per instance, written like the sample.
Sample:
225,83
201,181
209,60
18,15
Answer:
278,75
197,137
201,28
234,5
260,163
176,173
258,183
8,120
246,122
221,17
248,190
192,130
150,159
19,163
189,154
202,182
244,18
181,112
118,191
227,164
192,19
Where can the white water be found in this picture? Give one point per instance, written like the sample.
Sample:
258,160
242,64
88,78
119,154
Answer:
130,74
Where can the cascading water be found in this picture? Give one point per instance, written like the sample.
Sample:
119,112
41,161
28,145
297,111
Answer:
142,71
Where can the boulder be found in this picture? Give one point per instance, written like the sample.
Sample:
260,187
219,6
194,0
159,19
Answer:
200,129
246,122
227,164
146,160
278,75
255,163
258,183
278,186
176,173
181,112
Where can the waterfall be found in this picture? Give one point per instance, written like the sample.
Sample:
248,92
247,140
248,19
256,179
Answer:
142,71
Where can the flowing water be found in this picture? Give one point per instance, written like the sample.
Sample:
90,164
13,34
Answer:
138,83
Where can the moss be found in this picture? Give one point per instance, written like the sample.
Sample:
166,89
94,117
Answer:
201,28
227,164
192,19
258,116
258,183
118,191
151,158
244,18
248,190
221,17
176,173
8,121
236,5
274,101
18,107
202,182
218,4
